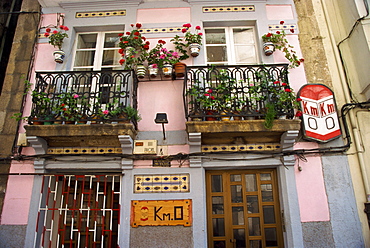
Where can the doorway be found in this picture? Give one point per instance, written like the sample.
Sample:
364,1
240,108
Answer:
243,209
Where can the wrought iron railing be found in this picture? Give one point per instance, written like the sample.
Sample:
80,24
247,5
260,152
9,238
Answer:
80,96
237,92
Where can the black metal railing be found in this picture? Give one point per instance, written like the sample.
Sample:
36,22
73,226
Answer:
80,96
238,92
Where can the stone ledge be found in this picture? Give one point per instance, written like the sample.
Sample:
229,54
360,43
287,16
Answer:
252,131
82,135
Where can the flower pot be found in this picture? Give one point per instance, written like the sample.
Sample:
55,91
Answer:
268,48
180,69
129,51
194,49
140,71
167,70
153,70
211,112
58,121
36,122
224,116
59,56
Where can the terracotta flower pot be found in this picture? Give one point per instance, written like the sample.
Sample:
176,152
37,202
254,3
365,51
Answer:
180,69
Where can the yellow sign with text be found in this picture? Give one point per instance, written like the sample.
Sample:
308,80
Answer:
161,213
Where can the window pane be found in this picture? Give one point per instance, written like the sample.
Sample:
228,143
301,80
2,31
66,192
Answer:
239,236
215,36
216,182
254,226
243,35
245,54
250,182
236,193
268,214
110,57
216,54
218,227
219,244
265,176
235,178
252,203
111,40
86,41
84,58
271,239
267,192
255,244
217,204
238,215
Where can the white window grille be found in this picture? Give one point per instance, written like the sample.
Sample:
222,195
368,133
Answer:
79,211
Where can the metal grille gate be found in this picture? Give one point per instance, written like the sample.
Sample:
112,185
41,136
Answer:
79,211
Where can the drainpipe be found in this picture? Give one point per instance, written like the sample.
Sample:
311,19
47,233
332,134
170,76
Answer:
352,117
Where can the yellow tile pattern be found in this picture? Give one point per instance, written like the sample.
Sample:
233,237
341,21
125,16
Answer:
84,150
247,8
100,14
160,30
240,148
161,183
273,27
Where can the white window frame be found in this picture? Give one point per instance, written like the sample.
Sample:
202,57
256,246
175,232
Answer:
230,44
99,50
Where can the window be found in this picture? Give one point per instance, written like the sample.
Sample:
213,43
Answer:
79,211
97,51
230,45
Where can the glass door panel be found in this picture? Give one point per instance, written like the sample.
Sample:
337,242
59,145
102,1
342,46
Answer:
243,209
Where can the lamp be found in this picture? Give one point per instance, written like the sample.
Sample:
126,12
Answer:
161,118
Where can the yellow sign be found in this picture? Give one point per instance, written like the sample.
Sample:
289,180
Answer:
161,213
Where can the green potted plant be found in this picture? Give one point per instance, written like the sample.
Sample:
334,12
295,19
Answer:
278,41
56,38
161,57
133,47
192,40
132,113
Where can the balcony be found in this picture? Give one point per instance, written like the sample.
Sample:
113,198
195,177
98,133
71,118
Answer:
83,108
252,102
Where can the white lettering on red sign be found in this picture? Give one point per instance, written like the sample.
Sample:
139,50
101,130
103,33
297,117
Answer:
319,113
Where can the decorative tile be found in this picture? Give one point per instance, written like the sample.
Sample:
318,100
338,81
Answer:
161,183
161,30
242,148
247,8
84,150
274,28
100,14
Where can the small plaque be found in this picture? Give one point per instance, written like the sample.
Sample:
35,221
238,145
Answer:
161,163
161,213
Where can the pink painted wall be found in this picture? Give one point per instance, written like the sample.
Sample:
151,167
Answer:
161,97
18,195
167,15
313,202
279,12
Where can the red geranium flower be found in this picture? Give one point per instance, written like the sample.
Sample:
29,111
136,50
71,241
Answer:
66,28
210,91
298,114
277,82
137,33
48,30
288,90
125,42
301,60
61,27
146,47
299,99
143,38
284,84
46,34
121,61
206,94
138,25
120,34
200,33
121,51
278,32
197,27
128,33
281,22
292,30
136,37
132,25
55,32
269,35
187,25
212,98
184,30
